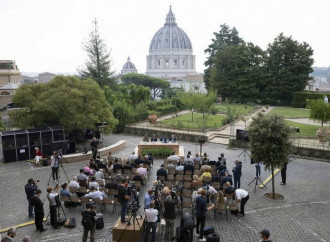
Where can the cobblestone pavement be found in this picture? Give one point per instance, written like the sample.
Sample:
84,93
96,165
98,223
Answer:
302,216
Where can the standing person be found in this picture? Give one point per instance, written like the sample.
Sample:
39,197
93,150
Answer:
283,173
94,146
169,215
11,233
38,210
123,198
51,196
201,210
258,169
237,172
264,234
88,222
37,155
151,217
55,163
241,196
30,189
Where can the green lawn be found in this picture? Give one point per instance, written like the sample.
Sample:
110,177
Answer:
184,121
241,109
288,112
305,129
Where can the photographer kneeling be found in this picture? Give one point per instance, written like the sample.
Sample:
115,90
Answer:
169,213
52,197
88,221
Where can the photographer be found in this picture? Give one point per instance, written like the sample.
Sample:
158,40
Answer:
52,205
201,210
169,214
123,198
151,217
55,163
148,198
88,221
38,210
30,189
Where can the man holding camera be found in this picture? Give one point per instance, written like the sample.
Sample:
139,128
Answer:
88,221
55,164
30,189
169,214
151,217
52,196
123,198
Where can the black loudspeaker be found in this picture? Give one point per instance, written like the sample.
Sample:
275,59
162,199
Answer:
97,134
242,135
213,237
62,144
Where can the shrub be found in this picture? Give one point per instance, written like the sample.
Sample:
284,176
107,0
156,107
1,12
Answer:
157,152
299,98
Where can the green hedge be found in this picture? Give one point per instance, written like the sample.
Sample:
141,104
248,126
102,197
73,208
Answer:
299,98
158,152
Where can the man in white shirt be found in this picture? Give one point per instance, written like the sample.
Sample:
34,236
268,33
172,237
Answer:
180,167
99,175
93,183
151,217
74,183
133,156
142,171
173,157
95,194
241,196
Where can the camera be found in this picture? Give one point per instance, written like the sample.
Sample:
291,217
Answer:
35,182
130,187
90,205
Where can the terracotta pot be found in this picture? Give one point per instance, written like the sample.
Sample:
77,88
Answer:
152,118
321,138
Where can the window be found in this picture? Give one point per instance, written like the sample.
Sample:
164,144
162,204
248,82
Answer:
167,63
159,62
175,62
183,62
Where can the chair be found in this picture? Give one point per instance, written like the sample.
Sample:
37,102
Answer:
188,172
187,193
103,189
165,162
74,199
179,177
106,176
187,184
170,177
64,199
83,190
127,171
82,183
168,184
197,172
84,200
214,173
207,179
174,162
97,201
161,178
187,178
180,172
171,171
137,185
72,190
100,182
108,201
216,185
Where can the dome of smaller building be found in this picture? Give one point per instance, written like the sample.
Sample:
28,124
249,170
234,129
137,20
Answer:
128,67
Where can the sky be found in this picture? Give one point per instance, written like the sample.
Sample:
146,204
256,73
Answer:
47,35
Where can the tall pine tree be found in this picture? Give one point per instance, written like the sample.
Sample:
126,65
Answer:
98,65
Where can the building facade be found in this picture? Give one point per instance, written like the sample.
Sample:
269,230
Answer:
170,52
128,67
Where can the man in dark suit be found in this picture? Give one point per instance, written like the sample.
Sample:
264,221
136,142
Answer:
173,139
162,172
38,210
138,161
226,178
153,138
117,166
189,167
237,172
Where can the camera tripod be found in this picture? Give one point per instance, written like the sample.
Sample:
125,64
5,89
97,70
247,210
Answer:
60,165
256,179
58,206
244,152
133,219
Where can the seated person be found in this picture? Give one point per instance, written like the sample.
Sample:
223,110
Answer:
110,157
64,192
127,166
95,194
101,165
221,167
117,166
212,162
99,175
173,156
142,171
138,177
223,172
205,161
226,178
118,178
189,167
170,165
163,139
162,172
93,183
133,156
188,158
146,161
98,159
179,167
153,138
173,139
74,182
88,171
93,165
207,175
110,166
111,185
197,159
206,168
150,158
145,138
138,161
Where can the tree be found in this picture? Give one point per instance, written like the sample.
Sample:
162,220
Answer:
288,65
224,38
68,102
269,142
237,73
190,100
319,111
205,105
155,84
98,66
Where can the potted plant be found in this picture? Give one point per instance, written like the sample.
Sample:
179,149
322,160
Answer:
321,133
152,118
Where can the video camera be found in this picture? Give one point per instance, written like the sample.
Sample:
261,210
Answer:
130,187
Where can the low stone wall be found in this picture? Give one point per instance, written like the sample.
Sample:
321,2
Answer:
313,153
180,136
120,145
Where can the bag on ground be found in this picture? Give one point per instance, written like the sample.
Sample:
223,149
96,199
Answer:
188,222
213,237
99,221
208,230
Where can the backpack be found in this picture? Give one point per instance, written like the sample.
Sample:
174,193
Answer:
88,220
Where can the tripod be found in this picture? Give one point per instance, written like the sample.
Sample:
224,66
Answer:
292,154
58,206
59,174
133,220
256,179
244,152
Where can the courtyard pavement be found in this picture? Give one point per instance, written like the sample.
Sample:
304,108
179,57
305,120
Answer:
302,216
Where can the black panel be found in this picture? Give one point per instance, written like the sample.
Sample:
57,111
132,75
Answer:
23,153
9,155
